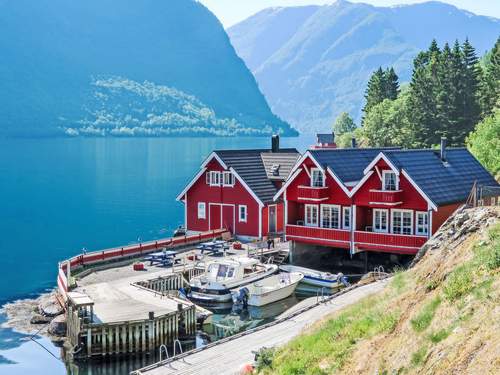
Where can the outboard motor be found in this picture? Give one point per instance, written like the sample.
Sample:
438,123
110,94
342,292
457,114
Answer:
241,297
341,279
183,293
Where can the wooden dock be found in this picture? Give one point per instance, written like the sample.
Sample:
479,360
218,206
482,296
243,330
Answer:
228,355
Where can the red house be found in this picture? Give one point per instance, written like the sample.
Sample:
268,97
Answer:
382,200
235,189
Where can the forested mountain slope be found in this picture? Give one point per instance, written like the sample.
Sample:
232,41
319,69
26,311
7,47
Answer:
124,67
314,62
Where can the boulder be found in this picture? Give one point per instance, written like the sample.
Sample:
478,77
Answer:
57,326
50,308
40,319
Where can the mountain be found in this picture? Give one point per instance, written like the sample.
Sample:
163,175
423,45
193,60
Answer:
314,62
124,67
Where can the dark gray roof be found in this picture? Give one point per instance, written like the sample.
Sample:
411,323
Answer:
347,163
443,183
325,137
278,165
250,167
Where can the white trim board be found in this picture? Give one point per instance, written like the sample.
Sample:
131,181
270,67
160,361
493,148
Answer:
287,183
382,156
213,155
191,183
254,196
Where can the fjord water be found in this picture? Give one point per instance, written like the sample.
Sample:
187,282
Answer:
59,195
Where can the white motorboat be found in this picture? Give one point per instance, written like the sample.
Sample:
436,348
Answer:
223,275
318,278
268,290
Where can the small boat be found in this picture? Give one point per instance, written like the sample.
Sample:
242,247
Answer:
318,278
214,286
268,290
180,231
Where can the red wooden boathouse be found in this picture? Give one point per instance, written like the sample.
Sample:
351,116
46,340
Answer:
382,200
235,189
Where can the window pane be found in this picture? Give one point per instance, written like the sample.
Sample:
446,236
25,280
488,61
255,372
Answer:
389,181
317,178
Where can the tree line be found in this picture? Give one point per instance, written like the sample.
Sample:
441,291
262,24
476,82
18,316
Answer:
452,94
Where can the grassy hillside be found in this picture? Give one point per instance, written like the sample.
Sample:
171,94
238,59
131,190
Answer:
440,317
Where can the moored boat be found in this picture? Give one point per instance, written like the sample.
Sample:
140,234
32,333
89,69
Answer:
318,278
268,290
214,286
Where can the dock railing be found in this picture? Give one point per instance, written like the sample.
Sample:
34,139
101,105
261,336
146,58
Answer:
115,254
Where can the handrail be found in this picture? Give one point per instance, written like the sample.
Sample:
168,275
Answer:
176,341
162,346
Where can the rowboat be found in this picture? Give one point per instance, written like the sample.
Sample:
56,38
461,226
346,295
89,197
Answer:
317,278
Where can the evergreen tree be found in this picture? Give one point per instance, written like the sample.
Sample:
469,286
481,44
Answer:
391,81
375,91
472,76
490,82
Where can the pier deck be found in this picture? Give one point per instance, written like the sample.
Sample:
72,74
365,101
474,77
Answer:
228,357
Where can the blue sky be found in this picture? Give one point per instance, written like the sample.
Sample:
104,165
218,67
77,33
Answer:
230,12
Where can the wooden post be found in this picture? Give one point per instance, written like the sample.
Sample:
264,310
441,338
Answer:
143,336
130,338
89,342
103,341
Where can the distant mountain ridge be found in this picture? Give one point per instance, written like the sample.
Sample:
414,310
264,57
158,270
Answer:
313,62
152,59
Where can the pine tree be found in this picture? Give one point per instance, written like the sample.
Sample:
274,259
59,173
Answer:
391,81
490,82
375,91
472,76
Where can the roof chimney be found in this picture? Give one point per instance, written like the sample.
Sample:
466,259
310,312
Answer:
333,137
353,142
275,143
443,149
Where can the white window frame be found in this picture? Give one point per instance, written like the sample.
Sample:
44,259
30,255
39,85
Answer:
242,209
214,178
493,201
316,170
230,176
331,207
306,216
202,210
425,226
401,213
374,221
384,174
346,212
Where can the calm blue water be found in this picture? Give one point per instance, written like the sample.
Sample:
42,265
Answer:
60,195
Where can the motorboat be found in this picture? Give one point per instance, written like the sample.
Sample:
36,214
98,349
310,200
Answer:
221,276
317,278
268,290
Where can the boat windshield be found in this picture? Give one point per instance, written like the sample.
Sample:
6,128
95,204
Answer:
218,271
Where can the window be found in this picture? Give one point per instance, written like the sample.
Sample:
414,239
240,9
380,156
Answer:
390,181
213,178
493,201
346,223
380,221
422,227
202,212
228,179
330,216
311,215
243,214
402,222
317,178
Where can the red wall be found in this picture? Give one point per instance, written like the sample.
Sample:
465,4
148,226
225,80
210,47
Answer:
411,198
237,195
442,214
